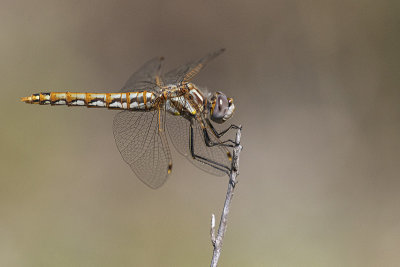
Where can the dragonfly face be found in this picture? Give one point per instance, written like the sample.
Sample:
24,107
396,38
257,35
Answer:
221,108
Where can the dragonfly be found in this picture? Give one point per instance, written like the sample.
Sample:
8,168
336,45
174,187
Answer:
154,104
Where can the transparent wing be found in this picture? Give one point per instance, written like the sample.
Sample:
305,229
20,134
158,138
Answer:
179,132
146,78
143,146
186,72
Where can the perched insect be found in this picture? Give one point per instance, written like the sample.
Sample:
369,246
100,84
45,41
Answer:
152,105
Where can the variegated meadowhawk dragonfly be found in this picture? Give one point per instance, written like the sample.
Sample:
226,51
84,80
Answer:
154,104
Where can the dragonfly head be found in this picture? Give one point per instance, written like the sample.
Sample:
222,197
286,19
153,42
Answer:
221,108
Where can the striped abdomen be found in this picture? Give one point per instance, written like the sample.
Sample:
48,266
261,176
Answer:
132,100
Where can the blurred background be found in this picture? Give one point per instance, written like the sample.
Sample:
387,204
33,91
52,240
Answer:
316,88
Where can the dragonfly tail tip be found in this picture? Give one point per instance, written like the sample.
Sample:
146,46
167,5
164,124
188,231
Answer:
27,99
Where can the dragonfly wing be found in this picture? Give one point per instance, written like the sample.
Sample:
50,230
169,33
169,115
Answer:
146,78
186,72
143,146
179,132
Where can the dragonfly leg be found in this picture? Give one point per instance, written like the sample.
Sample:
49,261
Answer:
220,134
204,160
210,143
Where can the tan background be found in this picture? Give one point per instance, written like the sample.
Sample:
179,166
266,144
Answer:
316,86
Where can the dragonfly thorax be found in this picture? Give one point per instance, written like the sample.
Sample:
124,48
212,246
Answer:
186,100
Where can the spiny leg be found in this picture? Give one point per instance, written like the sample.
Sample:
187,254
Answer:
210,143
204,160
232,126
220,134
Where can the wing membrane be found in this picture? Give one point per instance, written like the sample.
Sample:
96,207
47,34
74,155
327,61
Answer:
143,146
186,72
146,78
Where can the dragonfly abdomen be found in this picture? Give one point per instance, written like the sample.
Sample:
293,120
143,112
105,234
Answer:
130,100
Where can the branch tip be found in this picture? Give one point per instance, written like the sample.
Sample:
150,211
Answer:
234,172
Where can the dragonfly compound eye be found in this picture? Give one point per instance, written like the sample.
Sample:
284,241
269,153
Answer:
221,107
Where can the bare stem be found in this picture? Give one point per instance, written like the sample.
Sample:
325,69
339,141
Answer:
218,239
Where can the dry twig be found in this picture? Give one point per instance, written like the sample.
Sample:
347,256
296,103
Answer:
217,240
